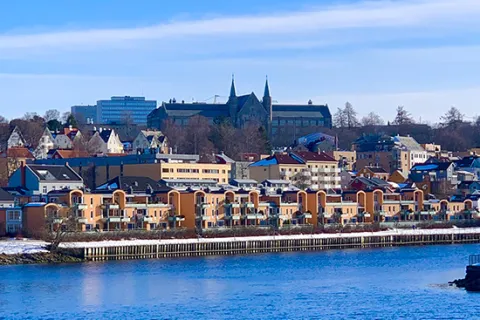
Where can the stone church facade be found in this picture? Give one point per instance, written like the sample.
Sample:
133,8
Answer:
241,110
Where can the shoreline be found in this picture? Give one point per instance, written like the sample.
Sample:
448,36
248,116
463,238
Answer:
170,248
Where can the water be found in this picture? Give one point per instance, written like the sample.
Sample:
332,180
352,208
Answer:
392,283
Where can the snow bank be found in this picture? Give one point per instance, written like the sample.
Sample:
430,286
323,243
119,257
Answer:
393,232
22,246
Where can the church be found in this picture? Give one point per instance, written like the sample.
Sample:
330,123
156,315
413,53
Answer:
241,110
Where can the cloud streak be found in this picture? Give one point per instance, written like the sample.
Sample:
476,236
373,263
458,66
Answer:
379,14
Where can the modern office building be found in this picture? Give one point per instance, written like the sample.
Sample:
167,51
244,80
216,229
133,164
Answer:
85,114
117,109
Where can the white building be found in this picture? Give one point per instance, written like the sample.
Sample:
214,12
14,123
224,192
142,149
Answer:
150,139
105,141
16,139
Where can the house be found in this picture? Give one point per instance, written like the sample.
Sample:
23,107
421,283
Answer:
16,139
301,168
398,177
131,184
373,172
469,187
105,141
10,160
67,138
45,144
469,164
40,179
442,171
389,152
366,184
10,214
67,154
150,140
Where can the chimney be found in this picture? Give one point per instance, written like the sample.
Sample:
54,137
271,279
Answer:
70,127
23,174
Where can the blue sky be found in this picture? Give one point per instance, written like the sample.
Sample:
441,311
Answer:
423,54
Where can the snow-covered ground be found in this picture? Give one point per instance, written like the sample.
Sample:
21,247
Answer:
283,237
22,246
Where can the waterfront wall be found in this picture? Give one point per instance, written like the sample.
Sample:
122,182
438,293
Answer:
155,249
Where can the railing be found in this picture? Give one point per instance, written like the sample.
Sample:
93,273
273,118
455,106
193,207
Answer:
473,259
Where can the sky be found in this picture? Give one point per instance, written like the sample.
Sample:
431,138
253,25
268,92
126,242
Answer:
422,54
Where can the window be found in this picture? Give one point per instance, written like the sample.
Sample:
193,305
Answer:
165,170
44,189
91,214
91,201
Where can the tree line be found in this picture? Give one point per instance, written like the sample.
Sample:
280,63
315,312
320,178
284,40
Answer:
452,131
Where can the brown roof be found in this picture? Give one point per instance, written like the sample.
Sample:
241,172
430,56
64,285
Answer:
376,169
285,159
67,154
18,152
313,156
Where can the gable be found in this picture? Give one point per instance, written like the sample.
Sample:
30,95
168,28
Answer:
251,109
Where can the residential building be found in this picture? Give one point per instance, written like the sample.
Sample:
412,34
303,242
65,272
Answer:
45,144
16,139
367,184
373,172
150,141
469,187
390,153
11,160
304,169
432,149
469,164
10,214
346,159
105,141
241,110
85,114
442,171
122,109
41,179
398,177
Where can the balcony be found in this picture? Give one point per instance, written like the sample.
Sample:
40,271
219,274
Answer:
148,219
114,219
232,205
82,220
314,178
203,205
80,206
158,205
176,218
314,170
329,170
232,217
248,205
305,215
252,216
111,206
58,220
136,205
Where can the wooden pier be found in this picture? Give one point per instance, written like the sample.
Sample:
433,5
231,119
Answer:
155,249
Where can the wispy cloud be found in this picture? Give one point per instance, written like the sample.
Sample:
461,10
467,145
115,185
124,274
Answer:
359,15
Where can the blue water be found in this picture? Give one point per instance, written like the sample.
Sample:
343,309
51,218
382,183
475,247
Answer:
393,283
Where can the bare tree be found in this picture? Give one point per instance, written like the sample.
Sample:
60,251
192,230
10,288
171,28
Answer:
52,114
452,117
339,119
350,115
32,130
197,136
403,116
372,119
3,119
29,116
57,226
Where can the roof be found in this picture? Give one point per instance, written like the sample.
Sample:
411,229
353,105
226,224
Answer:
6,196
278,159
276,181
209,110
467,184
54,172
314,156
377,169
18,152
466,162
191,181
308,110
373,182
66,154
409,143
135,184
105,134
223,158
431,166
244,181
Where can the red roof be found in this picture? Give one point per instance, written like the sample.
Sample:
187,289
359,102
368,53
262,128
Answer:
285,159
18,152
67,154
313,156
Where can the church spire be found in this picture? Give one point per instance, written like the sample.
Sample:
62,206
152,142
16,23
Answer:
266,93
233,92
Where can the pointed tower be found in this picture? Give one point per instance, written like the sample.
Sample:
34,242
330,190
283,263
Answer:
233,103
267,104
